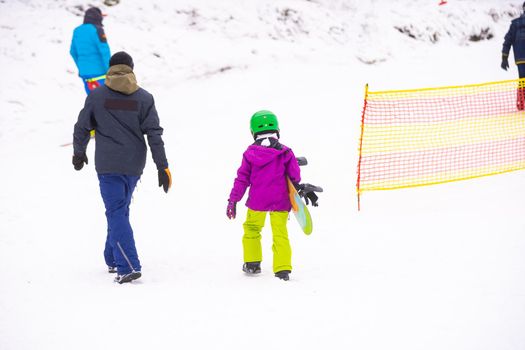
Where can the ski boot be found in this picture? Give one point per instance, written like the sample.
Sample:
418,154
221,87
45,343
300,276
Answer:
252,267
112,269
283,275
128,277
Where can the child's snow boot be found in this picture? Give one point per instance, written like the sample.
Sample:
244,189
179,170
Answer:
283,275
252,267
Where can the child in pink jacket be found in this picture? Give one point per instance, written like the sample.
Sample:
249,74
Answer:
265,166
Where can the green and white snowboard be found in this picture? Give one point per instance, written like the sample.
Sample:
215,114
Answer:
299,209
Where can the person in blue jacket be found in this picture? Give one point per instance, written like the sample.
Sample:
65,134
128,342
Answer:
90,50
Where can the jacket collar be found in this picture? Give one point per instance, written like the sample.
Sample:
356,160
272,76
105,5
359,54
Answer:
121,78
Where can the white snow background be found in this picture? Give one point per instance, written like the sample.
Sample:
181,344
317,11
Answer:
439,267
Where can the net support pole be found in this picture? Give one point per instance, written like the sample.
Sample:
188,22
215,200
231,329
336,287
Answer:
360,150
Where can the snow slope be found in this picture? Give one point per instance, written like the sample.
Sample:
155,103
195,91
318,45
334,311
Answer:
439,267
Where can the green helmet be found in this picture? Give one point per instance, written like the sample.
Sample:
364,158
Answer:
263,121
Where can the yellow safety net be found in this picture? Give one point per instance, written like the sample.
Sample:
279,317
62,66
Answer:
428,136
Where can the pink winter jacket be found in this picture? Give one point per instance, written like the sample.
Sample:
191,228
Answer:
265,169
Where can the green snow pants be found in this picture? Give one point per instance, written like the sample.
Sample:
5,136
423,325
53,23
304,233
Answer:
251,241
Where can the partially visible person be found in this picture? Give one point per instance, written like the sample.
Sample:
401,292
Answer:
515,38
121,113
90,50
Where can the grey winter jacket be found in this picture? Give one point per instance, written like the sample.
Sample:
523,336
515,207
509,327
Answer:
121,113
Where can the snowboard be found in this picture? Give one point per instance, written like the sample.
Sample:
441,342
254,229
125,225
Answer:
299,209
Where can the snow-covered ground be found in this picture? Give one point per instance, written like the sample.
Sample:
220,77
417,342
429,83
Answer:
440,267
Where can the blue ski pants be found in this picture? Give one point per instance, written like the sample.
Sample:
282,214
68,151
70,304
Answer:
521,70
120,250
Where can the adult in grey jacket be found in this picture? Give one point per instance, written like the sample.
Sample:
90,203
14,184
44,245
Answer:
121,113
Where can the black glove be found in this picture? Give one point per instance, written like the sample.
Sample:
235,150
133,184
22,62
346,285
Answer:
79,160
307,192
165,179
312,197
504,62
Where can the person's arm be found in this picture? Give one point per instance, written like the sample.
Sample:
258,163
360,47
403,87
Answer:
241,182
292,168
83,127
150,126
509,40
73,50
103,47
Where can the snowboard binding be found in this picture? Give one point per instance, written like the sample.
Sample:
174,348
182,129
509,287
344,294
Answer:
306,190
